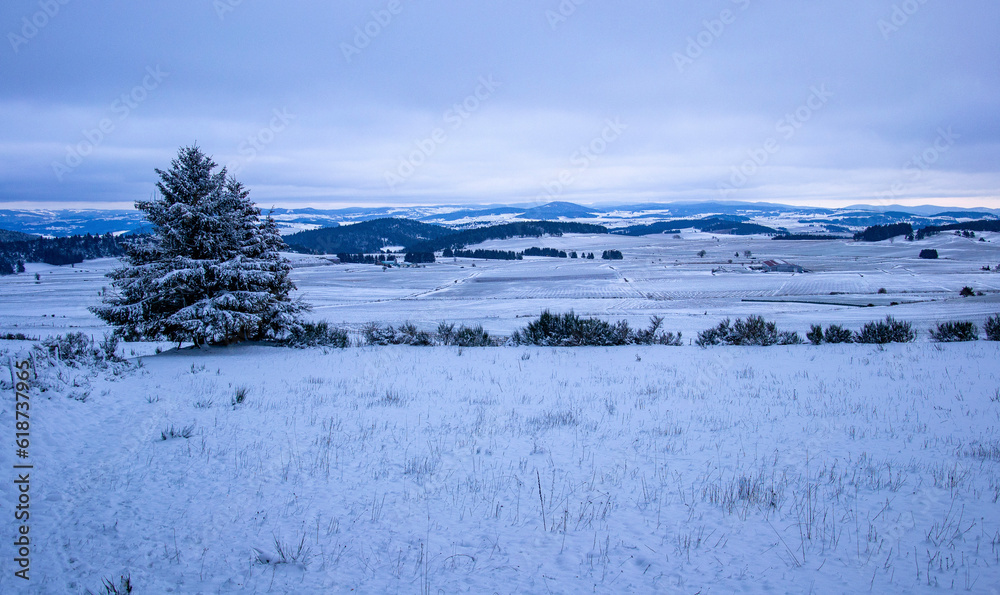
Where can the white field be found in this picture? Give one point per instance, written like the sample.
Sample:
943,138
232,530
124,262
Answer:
830,469
659,276
663,276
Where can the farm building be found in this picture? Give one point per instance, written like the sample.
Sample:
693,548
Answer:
781,266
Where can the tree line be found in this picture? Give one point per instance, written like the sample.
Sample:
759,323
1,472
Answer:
365,258
520,229
483,254
533,251
877,233
58,251
982,225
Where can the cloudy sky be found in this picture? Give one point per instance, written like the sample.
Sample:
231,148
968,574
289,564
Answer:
406,102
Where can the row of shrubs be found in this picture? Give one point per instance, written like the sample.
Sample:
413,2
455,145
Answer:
878,332
570,330
967,331
322,334
891,330
408,334
565,330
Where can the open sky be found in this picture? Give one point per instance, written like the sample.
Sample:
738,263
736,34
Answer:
398,101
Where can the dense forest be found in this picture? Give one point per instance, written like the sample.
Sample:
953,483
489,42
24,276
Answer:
877,233
365,237
419,257
57,251
15,236
525,229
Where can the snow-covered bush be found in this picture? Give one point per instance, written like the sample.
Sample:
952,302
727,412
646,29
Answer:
717,335
947,332
833,334
317,334
653,336
17,337
889,330
378,334
570,330
408,334
446,332
65,364
109,345
789,338
74,349
992,328
753,330
469,336
211,271
837,334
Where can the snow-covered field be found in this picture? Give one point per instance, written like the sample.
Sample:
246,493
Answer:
659,276
830,469
663,276
827,469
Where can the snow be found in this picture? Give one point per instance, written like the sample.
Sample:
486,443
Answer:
663,276
830,469
789,469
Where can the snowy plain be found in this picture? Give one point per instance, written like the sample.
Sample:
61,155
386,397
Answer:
829,469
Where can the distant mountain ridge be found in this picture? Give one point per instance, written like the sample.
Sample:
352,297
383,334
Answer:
67,222
710,224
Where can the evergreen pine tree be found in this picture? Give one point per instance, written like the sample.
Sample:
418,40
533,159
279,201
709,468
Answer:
211,271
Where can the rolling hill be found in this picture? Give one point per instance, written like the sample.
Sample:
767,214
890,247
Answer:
367,236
